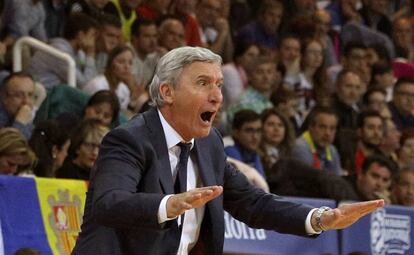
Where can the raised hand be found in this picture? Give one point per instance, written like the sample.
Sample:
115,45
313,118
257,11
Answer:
179,203
347,214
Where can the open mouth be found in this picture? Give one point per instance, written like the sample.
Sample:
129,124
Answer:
207,116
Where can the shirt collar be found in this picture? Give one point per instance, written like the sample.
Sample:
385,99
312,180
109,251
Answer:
171,136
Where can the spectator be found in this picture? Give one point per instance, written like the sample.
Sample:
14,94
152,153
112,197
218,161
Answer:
214,29
315,146
277,138
109,37
15,153
402,37
23,18
374,180
103,106
290,57
382,77
83,151
185,10
390,143
171,34
144,40
79,36
374,100
16,103
262,76
125,11
50,143
118,76
322,20
246,133
264,31
406,152
234,73
402,188
287,102
402,104
370,134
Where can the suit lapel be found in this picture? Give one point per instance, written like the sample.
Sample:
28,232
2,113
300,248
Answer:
160,145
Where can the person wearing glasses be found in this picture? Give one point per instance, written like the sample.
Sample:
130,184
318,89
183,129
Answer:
16,102
246,133
83,150
402,104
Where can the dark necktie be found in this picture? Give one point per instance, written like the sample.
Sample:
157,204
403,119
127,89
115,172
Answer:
180,184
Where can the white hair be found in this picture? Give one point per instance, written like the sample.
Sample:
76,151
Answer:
169,67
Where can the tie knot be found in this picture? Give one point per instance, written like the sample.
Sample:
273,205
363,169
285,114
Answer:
184,146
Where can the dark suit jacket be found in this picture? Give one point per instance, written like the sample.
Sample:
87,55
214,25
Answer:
133,174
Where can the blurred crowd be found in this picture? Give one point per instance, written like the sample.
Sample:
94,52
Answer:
318,94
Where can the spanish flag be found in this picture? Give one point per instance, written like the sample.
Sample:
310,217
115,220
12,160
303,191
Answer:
40,213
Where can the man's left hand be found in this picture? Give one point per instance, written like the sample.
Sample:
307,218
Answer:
347,214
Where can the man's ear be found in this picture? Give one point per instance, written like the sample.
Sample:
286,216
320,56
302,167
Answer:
167,93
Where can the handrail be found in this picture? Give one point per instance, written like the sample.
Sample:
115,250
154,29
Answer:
39,45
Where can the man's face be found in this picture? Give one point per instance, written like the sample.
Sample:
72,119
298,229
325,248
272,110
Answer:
349,89
402,33
208,11
192,105
374,181
406,154
110,36
404,97
376,101
270,20
391,139
356,59
289,51
263,77
146,42
173,36
19,92
372,131
403,190
324,129
249,134
88,38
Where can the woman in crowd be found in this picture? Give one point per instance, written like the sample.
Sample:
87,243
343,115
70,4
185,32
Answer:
16,157
83,151
50,144
118,76
312,87
406,152
278,138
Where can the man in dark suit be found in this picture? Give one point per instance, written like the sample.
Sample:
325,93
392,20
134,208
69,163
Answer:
133,205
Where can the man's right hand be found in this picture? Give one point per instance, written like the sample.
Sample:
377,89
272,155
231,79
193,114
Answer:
24,115
179,203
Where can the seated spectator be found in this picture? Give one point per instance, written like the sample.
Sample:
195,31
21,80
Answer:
79,36
290,55
264,31
287,101
262,77
50,143
109,37
406,151
277,138
402,188
16,103
374,180
375,100
234,73
16,157
23,18
402,104
402,37
171,34
315,146
83,151
246,133
125,11
382,77
118,76
390,143
185,11
322,19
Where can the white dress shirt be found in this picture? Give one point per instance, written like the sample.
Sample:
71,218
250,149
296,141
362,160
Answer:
193,217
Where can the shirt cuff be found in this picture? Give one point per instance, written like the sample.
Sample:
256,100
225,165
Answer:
308,225
162,210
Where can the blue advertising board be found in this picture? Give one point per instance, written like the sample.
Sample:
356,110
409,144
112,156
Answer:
241,239
386,231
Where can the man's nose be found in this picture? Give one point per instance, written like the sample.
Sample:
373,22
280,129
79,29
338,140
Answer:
216,96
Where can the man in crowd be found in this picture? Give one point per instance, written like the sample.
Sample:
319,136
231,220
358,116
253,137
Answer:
16,103
402,104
